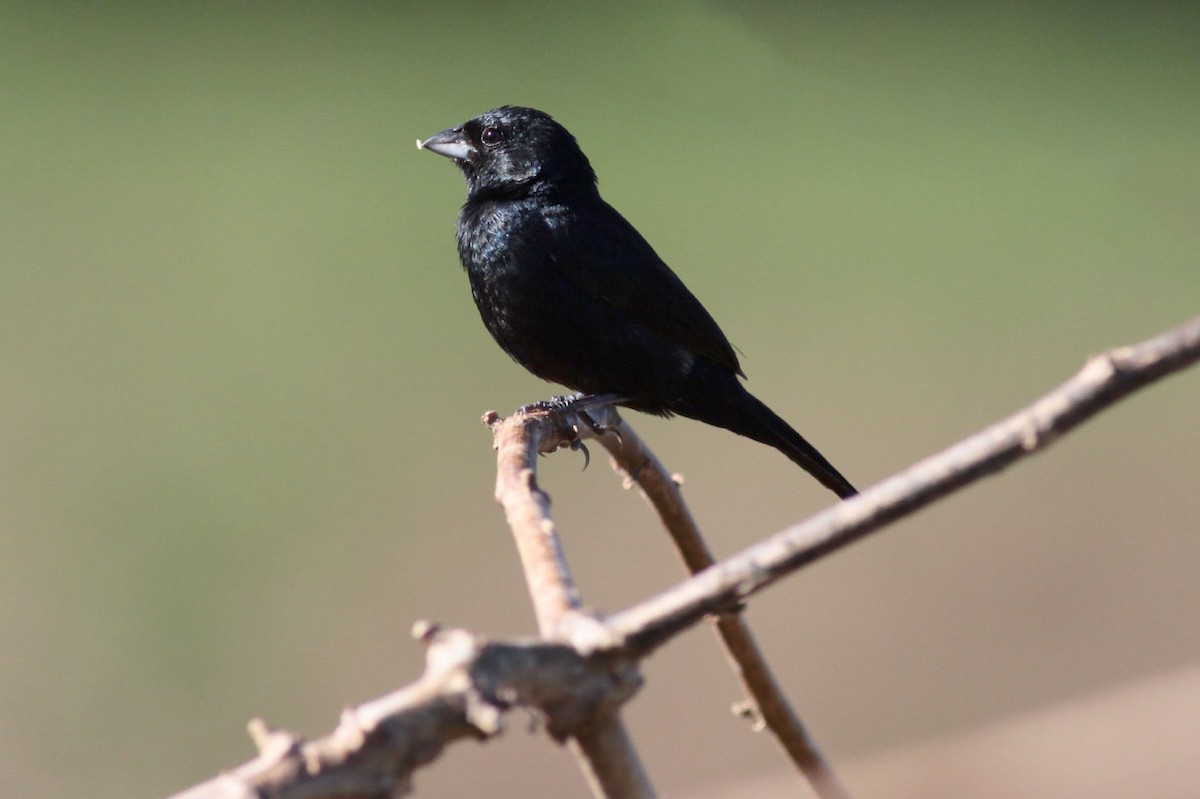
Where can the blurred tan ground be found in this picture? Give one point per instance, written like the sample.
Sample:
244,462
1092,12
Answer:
1134,740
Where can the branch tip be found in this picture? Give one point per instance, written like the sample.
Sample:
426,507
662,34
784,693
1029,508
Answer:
350,729
746,709
424,630
271,742
483,715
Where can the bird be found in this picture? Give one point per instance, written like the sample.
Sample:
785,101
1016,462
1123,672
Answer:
575,294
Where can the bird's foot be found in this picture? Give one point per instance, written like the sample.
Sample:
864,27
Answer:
579,404
599,428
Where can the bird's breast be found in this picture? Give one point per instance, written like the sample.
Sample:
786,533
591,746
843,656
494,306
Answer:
506,254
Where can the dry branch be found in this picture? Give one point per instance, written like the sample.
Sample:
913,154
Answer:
767,703
468,684
467,687
602,747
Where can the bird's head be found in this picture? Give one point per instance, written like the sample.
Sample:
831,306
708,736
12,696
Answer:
513,152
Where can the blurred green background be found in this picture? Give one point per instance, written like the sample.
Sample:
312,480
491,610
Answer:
242,373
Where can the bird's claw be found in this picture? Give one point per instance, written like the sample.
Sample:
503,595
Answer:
599,429
578,444
579,404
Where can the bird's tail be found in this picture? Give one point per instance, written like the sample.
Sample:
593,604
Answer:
784,438
744,414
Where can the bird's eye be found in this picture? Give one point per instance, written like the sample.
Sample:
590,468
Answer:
491,136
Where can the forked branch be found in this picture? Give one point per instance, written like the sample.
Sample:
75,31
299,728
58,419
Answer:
375,749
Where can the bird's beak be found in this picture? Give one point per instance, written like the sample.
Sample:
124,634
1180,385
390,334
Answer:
452,143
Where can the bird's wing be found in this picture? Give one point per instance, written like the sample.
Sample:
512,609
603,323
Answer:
606,257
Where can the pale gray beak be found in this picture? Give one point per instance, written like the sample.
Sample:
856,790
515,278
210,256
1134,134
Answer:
452,143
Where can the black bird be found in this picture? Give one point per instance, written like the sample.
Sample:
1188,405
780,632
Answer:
574,294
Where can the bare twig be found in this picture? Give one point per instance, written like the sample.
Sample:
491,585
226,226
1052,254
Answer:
609,762
527,509
768,703
602,747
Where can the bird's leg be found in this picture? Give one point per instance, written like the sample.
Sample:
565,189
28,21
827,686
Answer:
577,403
552,405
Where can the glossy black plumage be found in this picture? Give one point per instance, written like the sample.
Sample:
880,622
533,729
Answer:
573,292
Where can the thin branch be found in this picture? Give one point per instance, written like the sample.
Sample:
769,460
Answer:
767,701
608,759
602,747
527,509
1104,380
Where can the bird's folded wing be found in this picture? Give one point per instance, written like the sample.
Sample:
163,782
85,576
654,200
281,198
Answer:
614,263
